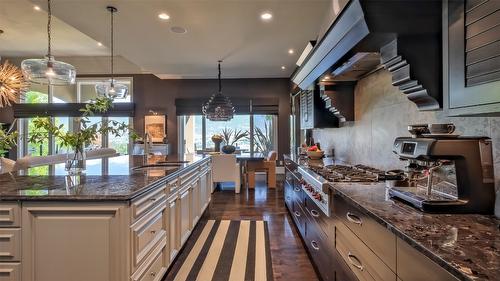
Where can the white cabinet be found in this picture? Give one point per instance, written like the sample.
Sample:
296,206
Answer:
174,234
185,214
78,242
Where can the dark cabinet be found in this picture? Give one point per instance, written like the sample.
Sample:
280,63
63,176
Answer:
473,51
314,112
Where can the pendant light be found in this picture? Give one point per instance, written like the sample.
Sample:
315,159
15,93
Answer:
218,107
111,88
48,71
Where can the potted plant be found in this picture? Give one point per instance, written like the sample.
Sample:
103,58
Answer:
7,141
264,139
78,140
231,137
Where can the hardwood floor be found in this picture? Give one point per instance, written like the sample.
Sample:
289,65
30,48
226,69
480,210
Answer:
289,258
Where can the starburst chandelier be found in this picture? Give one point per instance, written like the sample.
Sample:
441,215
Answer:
111,88
12,84
48,71
218,107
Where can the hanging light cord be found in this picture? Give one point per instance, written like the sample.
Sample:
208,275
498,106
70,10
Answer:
220,81
49,26
112,47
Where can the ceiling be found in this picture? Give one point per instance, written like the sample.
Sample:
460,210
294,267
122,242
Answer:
216,29
25,34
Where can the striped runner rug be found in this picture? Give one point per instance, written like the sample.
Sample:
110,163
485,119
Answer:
226,251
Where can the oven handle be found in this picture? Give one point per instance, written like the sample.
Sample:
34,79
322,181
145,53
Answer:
354,218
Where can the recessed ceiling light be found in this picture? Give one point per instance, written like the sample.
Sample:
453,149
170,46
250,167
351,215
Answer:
37,8
178,29
266,16
283,67
291,51
164,16
99,44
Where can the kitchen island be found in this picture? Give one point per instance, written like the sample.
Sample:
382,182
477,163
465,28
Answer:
125,219
374,237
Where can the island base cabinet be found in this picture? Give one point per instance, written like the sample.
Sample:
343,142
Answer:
77,242
185,215
174,241
10,272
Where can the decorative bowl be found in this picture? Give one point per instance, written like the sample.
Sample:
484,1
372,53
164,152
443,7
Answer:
315,155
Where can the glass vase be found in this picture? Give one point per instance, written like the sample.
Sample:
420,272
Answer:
75,162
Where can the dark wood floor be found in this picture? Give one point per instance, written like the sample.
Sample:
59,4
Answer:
290,260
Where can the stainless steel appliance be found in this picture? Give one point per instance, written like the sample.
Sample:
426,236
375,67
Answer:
315,180
446,174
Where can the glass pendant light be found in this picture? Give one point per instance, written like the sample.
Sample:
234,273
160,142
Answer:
218,107
48,71
111,88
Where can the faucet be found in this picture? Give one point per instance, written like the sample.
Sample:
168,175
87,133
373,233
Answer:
147,144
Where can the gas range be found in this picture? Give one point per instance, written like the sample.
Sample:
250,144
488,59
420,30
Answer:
316,179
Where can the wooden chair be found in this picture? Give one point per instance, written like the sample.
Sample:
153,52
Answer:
267,165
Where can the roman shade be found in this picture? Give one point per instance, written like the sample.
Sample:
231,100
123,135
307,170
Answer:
27,110
192,106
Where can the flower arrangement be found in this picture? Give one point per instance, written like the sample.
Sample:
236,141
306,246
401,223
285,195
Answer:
7,141
233,136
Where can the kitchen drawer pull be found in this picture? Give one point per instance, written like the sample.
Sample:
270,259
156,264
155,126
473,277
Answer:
153,274
288,198
315,213
355,261
297,214
315,246
153,232
296,189
353,218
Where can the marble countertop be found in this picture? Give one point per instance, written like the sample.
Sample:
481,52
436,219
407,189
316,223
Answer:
468,246
106,179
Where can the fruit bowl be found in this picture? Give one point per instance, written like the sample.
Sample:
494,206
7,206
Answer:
315,155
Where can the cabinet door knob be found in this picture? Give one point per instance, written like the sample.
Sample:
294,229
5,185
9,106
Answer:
153,231
315,246
153,274
315,213
354,218
297,214
355,261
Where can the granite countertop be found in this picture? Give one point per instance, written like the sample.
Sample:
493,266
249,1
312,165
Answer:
106,179
468,246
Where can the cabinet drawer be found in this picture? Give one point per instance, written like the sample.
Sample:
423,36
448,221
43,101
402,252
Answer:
318,217
413,266
362,261
298,194
317,243
146,233
299,217
375,236
10,272
10,215
155,266
10,244
147,202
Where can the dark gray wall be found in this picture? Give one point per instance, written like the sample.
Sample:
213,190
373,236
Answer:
152,93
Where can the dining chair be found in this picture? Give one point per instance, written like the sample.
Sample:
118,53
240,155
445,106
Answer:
225,168
267,165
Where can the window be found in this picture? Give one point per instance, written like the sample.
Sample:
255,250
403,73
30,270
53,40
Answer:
82,91
196,132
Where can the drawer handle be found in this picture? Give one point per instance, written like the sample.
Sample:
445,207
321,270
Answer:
152,199
355,261
153,232
297,214
315,213
153,274
353,218
296,189
288,198
315,246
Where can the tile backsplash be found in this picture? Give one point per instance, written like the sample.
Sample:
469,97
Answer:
382,113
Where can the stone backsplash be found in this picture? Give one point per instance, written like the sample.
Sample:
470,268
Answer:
382,113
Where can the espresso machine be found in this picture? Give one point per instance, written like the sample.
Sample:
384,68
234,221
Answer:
446,174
